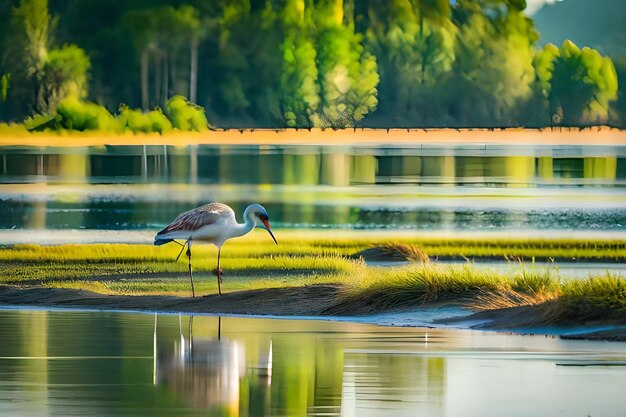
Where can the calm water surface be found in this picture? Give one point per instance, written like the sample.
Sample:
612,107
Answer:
109,364
473,187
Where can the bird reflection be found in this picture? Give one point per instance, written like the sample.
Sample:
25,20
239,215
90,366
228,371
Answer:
206,372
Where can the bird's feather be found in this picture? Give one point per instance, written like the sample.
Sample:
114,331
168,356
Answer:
193,220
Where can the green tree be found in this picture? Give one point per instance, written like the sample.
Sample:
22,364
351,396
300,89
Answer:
579,84
142,26
299,90
186,116
493,72
248,68
76,114
435,36
177,29
347,74
136,120
64,75
192,29
27,49
413,42
618,114
302,63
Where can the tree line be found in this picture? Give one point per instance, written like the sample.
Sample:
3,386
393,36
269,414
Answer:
303,63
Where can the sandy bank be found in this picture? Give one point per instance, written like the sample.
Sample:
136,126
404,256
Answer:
299,301
314,301
329,137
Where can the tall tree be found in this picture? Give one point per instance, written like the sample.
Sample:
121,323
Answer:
579,84
493,71
142,25
191,29
27,49
299,90
249,66
64,75
347,74
414,45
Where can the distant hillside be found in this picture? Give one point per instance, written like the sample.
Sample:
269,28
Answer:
600,24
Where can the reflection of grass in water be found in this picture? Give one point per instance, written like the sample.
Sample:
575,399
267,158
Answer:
142,269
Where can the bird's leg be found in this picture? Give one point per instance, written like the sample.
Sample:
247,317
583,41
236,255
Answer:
219,272
193,292
181,249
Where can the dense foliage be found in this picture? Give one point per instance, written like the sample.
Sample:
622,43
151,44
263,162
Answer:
80,115
299,63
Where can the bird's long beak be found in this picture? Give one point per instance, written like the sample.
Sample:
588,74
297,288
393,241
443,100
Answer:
267,227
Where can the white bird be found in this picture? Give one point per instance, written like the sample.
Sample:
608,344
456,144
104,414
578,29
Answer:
214,223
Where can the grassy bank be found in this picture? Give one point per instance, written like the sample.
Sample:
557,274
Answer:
145,270
339,244
600,298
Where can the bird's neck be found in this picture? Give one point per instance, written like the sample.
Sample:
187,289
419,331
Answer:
243,228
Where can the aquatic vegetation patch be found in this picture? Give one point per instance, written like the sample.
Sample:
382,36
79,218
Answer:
600,298
595,299
143,269
393,252
479,288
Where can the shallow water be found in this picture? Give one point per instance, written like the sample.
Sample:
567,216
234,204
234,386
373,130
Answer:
103,364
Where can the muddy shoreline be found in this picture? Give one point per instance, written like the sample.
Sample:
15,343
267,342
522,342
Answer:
314,301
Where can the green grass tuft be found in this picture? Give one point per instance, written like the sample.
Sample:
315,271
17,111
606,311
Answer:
594,299
424,283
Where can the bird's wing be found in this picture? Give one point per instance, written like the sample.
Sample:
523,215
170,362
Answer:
193,220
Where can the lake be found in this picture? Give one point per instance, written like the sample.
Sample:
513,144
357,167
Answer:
551,189
107,364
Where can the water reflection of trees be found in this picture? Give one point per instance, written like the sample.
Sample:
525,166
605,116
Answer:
290,181
391,382
303,165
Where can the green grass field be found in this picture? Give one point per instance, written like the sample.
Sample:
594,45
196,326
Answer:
311,243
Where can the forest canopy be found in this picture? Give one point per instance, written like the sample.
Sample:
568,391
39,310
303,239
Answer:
294,63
